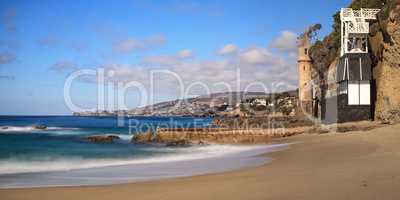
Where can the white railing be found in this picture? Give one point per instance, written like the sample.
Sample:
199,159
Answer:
357,27
369,13
348,14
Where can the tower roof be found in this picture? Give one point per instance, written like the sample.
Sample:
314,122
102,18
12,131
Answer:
303,48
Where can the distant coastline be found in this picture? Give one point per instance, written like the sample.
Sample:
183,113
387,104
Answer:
216,104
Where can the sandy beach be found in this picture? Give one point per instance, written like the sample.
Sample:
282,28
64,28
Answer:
353,165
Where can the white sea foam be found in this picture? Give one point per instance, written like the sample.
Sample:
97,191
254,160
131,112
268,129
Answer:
183,154
51,128
125,137
16,128
27,129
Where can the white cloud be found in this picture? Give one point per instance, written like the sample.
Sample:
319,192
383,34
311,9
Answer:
161,60
258,56
255,64
186,53
286,42
275,69
128,45
64,66
228,49
168,60
126,72
57,41
131,44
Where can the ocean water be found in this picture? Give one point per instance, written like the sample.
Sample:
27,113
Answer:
59,156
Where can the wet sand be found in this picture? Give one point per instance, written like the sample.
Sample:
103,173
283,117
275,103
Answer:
353,165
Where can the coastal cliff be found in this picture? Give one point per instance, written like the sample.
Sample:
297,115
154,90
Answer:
215,104
385,49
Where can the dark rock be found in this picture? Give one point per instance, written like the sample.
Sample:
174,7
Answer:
4,127
203,143
101,138
39,127
179,143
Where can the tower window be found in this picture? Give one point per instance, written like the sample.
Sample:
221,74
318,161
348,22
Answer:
306,51
359,93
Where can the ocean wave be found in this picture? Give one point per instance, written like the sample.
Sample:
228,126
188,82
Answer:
184,154
125,137
19,129
16,128
55,128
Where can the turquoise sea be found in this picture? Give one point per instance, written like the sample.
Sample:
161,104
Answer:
59,155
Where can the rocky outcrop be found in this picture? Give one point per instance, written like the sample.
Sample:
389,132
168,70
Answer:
101,138
143,138
39,127
345,127
217,135
201,136
264,122
385,48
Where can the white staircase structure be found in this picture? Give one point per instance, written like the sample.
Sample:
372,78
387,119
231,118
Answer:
355,29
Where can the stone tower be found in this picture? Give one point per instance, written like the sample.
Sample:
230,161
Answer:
304,66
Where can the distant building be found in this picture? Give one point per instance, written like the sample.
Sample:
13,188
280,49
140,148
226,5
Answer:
229,108
262,102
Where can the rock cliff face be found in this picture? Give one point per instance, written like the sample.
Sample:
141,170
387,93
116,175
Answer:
385,48
384,45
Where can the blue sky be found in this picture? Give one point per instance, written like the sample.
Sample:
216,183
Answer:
43,42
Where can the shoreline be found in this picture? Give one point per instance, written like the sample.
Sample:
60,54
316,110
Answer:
192,161
353,165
